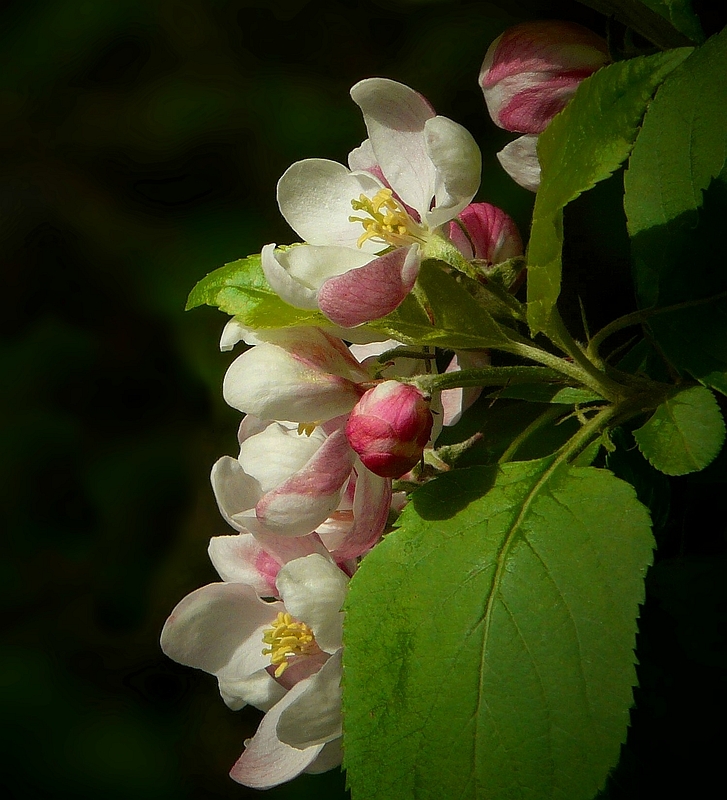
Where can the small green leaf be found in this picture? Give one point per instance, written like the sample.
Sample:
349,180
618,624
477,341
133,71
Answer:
240,289
675,202
583,145
684,434
489,641
441,312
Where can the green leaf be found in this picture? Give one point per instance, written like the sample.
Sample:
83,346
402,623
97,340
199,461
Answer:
441,312
583,145
684,434
240,289
681,15
489,641
676,204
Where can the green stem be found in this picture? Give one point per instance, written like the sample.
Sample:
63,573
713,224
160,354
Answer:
487,376
541,420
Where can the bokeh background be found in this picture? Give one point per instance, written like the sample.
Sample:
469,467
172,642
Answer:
141,144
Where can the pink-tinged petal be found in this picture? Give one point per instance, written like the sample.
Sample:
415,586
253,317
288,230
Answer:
207,628
297,274
456,401
306,499
273,383
458,164
362,159
372,291
234,489
329,758
520,160
313,590
533,69
266,761
314,717
242,559
287,548
489,234
395,116
372,501
315,198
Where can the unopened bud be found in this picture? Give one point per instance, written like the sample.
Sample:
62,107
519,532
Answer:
389,428
532,70
486,232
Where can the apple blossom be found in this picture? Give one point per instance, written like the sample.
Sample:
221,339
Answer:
487,233
283,657
288,484
529,74
389,428
365,228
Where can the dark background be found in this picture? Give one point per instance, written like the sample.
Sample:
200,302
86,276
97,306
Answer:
141,144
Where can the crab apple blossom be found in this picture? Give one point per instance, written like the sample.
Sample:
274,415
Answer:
285,483
532,70
365,228
283,657
487,233
389,428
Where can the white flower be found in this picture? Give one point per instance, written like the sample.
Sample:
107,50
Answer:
283,657
364,227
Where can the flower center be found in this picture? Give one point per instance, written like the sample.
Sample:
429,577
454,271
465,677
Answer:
387,220
287,638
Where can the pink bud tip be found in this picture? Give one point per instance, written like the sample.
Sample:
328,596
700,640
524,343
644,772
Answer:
389,428
486,232
531,72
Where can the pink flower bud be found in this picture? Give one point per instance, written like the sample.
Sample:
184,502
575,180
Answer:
486,232
389,428
533,69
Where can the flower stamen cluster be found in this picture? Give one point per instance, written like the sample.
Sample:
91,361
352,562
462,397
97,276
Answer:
288,638
393,226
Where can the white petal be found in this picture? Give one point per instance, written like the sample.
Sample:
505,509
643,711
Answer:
395,115
283,283
315,198
458,165
233,333
313,590
520,160
242,559
266,761
329,758
207,628
314,717
234,489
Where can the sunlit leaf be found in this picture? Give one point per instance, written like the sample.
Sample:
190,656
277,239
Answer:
489,641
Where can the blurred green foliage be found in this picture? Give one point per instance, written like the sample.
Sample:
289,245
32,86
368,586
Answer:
142,141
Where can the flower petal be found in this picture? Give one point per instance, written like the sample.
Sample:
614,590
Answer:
520,160
234,489
329,758
371,504
371,291
266,761
456,401
458,163
314,716
306,499
395,116
278,274
313,590
242,559
315,198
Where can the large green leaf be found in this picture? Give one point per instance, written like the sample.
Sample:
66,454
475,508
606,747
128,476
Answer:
240,288
441,312
489,641
684,434
583,145
676,205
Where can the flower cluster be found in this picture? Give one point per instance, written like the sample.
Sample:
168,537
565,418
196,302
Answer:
331,416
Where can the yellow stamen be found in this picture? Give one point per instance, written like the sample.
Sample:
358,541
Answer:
387,221
306,428
287,638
